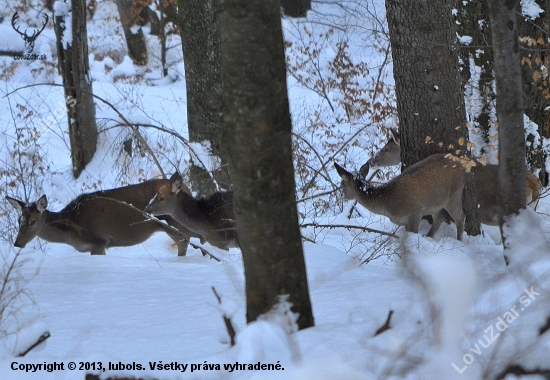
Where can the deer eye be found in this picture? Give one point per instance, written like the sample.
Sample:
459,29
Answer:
32,222
161,199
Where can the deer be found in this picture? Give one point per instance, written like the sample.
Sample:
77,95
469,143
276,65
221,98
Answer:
211,217
95,221
485,180
428,187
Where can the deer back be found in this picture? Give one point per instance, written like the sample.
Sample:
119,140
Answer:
486,185
211,217
93,221
425,188
485,180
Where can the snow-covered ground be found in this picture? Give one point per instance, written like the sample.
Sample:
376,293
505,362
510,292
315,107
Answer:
458,311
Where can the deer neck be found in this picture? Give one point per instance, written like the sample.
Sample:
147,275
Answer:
189,214
375,198
56,226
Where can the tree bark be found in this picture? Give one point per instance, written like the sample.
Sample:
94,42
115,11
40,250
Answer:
473,22
511,136
536,90
296,8
137,48
75,71
198,21
257,138
430,103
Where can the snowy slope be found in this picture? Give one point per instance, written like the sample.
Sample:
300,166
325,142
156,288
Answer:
143,305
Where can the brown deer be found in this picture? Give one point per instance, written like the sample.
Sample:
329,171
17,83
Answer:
96,221
485,180
425,188
211,217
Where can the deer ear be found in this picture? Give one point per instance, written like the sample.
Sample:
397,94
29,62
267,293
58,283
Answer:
176,182
365,169
343,172
16,203
175,177
42,203
395,135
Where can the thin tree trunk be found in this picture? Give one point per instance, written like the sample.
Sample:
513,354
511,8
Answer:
137,48
257,136
75,71
511,140
198,21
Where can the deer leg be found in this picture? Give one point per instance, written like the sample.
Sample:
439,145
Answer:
455,210
97,250
181,241
97,245
182,246
412,223
437,219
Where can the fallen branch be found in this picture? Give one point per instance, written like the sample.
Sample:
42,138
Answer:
42,338
348,227
166,225
227,320
518,370
386,326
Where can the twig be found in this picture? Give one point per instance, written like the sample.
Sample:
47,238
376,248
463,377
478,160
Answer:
317,195
227,320
385,326
42,338
172,228
131,125
367,229
323,164
518,370
136,132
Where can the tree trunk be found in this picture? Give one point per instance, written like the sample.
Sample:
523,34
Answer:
257,137
296,8
511,140
430,101
536,91
137,48
75,71
198,21
473,22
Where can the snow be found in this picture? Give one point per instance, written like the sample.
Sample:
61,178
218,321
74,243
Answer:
153,314
530,9
126,68
464,40
63,9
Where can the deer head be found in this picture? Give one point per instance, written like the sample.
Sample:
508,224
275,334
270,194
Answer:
30,220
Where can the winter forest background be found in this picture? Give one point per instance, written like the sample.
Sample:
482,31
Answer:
385,304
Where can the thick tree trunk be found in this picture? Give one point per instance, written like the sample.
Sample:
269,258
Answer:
137,48
257,137
296,8
473,22
198,21
511,134
535,87
430,101
75,71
